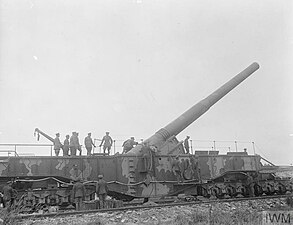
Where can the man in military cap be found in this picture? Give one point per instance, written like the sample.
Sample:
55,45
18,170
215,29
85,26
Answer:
88,143
107,140
250,185
78,145
9,195
74,144
102,190
66,146
186,144
57,144
129,144
78,191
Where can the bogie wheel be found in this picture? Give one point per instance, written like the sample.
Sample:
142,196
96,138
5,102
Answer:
231,191
258,190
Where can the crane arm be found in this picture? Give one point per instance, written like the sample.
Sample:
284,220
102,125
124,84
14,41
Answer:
39,132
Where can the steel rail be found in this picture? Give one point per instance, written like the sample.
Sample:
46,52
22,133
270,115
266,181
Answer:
57,214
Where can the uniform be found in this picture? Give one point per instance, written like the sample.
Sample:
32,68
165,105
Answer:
78,194
73,144
9,195
88,143
78,146
128,145
186,144
146,157
102,190
250,185
107,140
57,145
66,147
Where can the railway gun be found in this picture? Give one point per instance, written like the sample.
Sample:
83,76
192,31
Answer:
156,168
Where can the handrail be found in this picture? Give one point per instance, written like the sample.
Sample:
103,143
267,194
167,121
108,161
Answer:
15,146
25,144
217,145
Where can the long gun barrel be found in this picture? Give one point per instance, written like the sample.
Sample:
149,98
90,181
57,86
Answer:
192,114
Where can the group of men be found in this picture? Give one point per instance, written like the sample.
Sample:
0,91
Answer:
72,144
79,192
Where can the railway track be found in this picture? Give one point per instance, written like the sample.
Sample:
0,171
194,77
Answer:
139,207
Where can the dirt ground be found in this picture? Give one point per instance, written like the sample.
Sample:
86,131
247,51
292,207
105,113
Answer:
247,212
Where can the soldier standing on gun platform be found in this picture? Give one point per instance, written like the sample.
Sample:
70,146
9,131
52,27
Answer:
88,142
107,140
74,144
57,144
66,146
102,190
186,144
78,191
78,146
128,145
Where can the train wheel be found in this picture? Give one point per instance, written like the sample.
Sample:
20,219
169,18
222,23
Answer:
258,190
281,189
240,191
268,190
214,192
230,190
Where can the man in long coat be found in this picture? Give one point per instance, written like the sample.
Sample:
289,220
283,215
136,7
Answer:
102,190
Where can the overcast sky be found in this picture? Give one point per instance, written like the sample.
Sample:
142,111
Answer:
132,66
